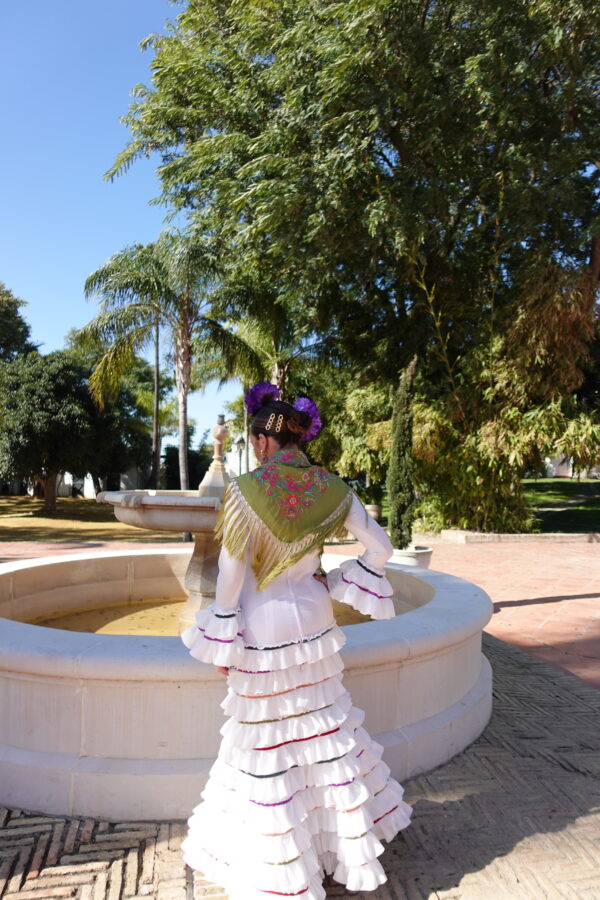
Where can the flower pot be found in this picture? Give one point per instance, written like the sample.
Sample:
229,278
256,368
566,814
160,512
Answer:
413,556
374,510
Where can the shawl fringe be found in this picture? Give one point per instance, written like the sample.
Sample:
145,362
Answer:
239,526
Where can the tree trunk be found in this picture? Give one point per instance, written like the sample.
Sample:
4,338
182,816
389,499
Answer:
183,372
49,493
279,373
247,439
184,477
155,427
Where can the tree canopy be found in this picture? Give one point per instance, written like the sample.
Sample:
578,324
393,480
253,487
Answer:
14,330
50,424
166,283
381,151
421,177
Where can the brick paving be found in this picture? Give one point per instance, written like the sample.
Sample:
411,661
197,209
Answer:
546,597
516,815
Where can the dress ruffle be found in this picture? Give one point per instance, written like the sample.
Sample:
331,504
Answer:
217,636
286,702
365,589
269,681
299,789
315,799
306,649
298,727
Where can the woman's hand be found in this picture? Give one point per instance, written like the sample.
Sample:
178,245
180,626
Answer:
321,578
222,669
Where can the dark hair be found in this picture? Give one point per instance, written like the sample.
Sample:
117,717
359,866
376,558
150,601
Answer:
279,420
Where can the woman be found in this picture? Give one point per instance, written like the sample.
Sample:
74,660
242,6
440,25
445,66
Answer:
298,790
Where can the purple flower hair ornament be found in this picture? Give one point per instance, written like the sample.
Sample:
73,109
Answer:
304,404
262,393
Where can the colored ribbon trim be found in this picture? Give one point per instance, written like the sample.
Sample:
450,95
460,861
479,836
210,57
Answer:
280,894
320,762
306,787
253,671
366,590
282,718
277,803
375,821
306,640
298,740
279,693
370,571
285,863
219,640
270,775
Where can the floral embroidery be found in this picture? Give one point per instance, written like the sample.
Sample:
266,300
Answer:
293,491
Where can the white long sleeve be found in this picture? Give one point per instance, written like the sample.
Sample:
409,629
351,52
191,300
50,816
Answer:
230,580
217,635
361,582
378,547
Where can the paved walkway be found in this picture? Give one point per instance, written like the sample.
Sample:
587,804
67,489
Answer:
516,816
546,595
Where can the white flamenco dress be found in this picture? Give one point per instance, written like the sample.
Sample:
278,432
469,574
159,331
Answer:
299,789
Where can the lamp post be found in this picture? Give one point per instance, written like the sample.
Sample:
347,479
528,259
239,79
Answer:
241,445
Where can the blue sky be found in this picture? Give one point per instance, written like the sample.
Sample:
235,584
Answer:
66,72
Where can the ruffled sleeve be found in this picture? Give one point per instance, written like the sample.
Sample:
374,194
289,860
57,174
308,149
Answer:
361,583
217,636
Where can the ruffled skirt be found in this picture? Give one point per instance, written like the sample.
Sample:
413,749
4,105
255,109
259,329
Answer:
299,789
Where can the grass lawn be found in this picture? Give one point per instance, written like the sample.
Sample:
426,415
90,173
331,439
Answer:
561,504
565,504
75,520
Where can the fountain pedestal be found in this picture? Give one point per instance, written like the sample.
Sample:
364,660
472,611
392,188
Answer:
184,511
201,576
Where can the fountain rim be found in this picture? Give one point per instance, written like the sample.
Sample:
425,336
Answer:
458,610
152,498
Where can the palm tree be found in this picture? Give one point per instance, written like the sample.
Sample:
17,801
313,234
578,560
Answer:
271,323
168,285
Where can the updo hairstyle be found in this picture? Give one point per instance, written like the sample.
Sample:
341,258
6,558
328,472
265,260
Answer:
279,420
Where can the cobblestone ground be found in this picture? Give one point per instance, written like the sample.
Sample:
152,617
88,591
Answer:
517,815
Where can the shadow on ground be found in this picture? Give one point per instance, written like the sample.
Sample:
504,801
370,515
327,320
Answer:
517,814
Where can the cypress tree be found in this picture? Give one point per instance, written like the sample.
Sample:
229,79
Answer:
401,493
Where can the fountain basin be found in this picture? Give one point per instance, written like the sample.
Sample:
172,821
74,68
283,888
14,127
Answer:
126,727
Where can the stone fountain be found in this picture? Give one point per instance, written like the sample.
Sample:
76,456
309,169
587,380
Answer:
126,727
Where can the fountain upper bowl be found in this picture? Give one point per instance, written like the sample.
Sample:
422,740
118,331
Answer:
164,510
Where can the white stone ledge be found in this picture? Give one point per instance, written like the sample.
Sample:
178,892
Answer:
457,610
126,726
455,536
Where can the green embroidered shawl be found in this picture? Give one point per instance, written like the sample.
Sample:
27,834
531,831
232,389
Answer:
283,509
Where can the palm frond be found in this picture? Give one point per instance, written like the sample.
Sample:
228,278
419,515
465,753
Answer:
238,356
135,274
120,356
